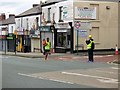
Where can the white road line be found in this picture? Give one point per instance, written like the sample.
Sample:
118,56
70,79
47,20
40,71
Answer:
106,72
112,63
98,77
110,55
115,68
108,81
34,76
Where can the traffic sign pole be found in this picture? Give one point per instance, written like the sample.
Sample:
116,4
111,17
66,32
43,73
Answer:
77,41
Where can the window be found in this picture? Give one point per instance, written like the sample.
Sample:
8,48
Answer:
60,14
11,29
49,14
27,23
37,20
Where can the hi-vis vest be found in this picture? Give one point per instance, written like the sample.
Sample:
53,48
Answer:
89,46
47,47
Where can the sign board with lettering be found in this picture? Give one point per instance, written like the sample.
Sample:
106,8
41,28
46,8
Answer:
45,28
82,33
85,13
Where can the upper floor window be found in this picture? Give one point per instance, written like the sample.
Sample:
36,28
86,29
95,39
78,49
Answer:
11,29
27,24
61,14
49,9
37,21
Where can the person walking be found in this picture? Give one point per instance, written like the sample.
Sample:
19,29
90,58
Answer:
43,44
47,48
90,47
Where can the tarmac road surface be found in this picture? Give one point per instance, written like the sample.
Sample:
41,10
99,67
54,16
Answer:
20,72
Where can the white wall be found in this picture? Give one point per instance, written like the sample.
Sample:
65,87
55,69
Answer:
11,28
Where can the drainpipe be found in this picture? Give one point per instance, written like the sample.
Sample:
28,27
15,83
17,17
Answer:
40,24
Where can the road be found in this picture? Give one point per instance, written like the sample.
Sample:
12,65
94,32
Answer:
20,72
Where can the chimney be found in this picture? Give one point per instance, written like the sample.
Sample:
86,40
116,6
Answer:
11,15
34,5
2,16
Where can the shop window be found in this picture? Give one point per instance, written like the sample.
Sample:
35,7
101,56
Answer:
60,14
11,29
37,20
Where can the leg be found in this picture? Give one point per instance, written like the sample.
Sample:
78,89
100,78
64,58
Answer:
46,55
89,54
44,50
92,56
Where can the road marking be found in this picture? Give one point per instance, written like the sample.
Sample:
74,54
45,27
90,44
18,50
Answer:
115,68
112,63
34,76
106,72
108,81
110,55
98,77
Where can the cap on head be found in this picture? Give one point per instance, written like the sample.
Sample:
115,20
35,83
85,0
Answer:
90,36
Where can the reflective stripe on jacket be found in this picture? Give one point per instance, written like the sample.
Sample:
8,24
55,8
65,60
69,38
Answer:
89,46
47,47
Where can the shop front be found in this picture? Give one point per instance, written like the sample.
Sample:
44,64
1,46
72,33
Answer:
47,32
63,37
3,43
10,42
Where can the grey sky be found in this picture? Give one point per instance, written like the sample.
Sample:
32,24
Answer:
16,6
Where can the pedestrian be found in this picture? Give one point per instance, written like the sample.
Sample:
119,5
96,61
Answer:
47,48
90,47
43,44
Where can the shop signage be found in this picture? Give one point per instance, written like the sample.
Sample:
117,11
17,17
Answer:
62,25
85,13
67,12
10,36
45,28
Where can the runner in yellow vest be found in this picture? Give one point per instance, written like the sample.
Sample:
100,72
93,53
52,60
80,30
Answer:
47,48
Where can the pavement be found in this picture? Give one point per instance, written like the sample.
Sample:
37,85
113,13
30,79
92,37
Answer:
98,56
40,55
29,55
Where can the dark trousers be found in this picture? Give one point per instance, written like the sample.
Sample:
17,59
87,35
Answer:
90,54
43,49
